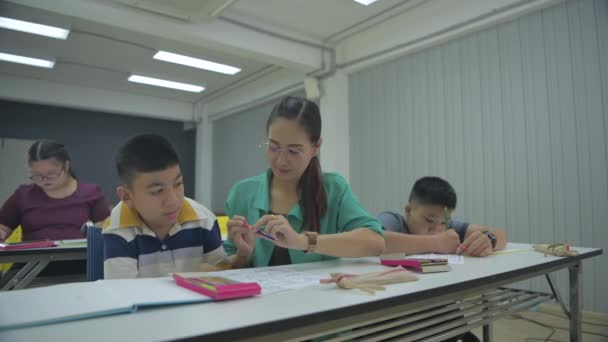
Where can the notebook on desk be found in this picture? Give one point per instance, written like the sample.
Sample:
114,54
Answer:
72,243
32,307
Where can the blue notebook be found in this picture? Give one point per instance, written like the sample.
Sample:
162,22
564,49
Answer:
31,307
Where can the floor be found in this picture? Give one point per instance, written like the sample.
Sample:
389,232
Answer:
550,322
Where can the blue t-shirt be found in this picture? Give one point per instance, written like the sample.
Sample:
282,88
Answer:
396,223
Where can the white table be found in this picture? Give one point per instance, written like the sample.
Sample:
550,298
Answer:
324,309
36,259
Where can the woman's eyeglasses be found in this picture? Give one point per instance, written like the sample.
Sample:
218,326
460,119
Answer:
292,152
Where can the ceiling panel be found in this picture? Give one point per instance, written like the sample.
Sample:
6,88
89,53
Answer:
102,56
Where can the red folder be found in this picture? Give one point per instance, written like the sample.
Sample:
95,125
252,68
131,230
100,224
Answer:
26,245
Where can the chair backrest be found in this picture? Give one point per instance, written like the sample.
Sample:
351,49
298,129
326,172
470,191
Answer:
94,253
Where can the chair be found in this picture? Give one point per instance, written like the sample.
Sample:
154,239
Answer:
94,252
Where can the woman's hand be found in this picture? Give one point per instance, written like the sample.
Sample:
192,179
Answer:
242,235
284,235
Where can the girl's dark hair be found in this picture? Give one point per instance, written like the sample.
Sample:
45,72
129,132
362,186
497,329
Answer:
49,149
306,114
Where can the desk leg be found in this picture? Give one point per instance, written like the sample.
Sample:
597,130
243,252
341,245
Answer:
487,329
487,332
30,276
575,302
21,273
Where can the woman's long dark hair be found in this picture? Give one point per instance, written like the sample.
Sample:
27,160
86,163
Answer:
49,149
306,114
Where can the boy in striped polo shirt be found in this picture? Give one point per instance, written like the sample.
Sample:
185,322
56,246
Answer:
155,230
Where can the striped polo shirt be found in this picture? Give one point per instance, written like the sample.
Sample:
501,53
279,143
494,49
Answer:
132,250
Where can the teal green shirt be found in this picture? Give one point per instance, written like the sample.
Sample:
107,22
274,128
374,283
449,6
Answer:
249,198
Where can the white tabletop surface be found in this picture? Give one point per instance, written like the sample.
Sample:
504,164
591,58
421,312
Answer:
199,319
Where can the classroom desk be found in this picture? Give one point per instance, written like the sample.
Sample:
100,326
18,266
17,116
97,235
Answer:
36,259
303,314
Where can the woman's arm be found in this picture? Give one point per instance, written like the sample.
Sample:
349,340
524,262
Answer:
443,243
359,242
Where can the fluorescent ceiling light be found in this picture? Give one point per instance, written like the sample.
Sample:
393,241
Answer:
365,2
26,26
166,84
43,63
195,62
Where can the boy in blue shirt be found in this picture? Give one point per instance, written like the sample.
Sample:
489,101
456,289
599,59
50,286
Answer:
424,229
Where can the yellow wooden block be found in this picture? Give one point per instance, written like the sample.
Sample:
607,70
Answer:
14,237
222,221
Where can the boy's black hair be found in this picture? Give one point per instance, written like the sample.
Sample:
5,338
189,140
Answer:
144,153
433,191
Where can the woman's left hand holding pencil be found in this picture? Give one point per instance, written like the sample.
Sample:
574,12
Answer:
242,235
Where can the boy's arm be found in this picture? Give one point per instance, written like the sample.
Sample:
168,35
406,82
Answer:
226,263
215,258
476,243
399,241
119,258
444,243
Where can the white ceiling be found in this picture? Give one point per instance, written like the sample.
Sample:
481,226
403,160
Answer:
316,19
99,55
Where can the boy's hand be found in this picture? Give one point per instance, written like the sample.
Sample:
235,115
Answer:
477,244
242,235
281,230
447,242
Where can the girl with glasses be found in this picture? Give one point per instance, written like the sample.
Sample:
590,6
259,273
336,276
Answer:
55,205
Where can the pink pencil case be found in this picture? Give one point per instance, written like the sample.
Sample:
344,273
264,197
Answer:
218,288
411,264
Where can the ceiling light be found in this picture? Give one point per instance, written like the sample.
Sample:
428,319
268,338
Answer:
365,2
26,26
43,63
166,84
196,62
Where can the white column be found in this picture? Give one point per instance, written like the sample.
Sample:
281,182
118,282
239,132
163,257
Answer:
335,150
204,156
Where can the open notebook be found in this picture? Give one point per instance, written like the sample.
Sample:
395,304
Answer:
109,297
31,307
